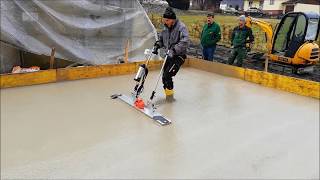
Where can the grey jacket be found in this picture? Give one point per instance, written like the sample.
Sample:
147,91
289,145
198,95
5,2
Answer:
175,39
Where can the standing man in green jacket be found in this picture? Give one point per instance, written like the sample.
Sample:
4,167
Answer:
210,35
241,35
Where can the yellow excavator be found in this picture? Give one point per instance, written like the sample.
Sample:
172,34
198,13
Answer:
293,42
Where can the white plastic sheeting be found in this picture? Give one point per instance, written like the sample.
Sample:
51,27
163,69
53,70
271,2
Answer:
85,31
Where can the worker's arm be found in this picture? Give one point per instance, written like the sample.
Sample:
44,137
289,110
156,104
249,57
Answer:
217,35
159,43
203,28
182,45
250,35
232,36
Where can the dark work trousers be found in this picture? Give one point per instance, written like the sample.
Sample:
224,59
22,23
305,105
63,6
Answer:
239,53
208,53
170,69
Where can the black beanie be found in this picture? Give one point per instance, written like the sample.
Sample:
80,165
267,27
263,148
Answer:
169,14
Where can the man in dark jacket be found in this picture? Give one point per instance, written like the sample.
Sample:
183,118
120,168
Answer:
241,35
175,39
210,35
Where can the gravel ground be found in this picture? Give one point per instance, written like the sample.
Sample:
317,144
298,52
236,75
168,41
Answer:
222,53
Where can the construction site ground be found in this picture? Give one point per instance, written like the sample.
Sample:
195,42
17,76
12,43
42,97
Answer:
222,127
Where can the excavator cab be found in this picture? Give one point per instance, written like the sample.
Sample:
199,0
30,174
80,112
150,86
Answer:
294,40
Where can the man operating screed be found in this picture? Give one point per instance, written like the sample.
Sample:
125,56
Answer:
175,39
241,35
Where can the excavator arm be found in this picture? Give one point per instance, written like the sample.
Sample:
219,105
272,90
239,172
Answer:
265,26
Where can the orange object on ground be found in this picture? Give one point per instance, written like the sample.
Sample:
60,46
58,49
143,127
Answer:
139,103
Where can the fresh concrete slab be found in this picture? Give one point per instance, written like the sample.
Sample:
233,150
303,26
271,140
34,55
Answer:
222,128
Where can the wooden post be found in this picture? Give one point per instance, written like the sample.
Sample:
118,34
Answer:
53,51
266,64
126,52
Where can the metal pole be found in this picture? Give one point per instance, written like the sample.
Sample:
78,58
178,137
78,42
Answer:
159,76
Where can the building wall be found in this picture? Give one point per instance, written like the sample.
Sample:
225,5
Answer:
276,6
274,12
273,9
233,3
255,3
208,5
299,7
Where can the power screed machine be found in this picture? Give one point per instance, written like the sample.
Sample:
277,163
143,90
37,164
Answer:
135,100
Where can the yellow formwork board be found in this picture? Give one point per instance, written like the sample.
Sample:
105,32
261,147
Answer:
26,79
153,65
86,72
217,68
259,77
289,84
73,73
285,83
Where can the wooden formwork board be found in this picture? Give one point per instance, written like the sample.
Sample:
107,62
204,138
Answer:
72,73
218,68
285,83
289,84
27,79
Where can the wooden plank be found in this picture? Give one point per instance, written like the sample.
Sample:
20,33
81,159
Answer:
285,83
26,79
153,64
289,84
73,73
218,68
260,77
86,72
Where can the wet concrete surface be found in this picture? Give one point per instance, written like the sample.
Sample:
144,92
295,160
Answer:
222,128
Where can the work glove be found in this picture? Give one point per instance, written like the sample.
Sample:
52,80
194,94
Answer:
170,53
155,50
156,47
